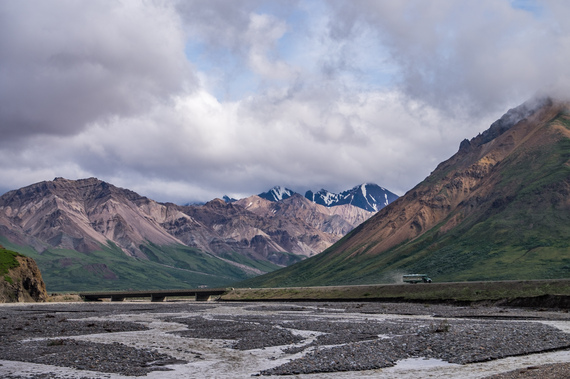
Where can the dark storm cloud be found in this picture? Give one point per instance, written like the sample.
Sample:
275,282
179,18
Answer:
64,64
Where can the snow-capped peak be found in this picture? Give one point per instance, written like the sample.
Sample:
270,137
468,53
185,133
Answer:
277,193
368,196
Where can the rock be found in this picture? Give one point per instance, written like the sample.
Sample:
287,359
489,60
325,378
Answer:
23,280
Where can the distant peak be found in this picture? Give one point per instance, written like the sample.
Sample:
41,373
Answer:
368,196
277,193
215,203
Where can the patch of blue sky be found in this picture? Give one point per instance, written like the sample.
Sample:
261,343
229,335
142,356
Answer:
194,52
291,11
290,46
381,77
365,63
363,58
287,45
532,6
228,79
376,64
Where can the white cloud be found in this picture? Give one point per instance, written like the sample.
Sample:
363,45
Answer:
465,55
209,149
65,64
322,93
261,37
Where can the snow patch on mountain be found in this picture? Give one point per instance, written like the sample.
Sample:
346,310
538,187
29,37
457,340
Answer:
277,193
368,196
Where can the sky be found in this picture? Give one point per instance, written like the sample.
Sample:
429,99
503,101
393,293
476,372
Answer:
185,101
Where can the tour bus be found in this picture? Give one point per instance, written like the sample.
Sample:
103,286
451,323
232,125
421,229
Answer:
416,278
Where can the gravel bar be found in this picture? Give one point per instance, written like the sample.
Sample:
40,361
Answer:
306,338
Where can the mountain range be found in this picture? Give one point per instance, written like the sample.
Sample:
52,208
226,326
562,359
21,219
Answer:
497,209
89,234
368,196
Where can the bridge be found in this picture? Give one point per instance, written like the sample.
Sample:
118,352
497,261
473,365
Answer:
203,294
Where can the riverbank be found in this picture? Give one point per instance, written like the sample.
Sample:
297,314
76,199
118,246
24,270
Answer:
531,293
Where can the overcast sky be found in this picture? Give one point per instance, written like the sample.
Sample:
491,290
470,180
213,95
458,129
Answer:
191,100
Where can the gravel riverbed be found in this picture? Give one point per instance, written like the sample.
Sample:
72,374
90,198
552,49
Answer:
194,339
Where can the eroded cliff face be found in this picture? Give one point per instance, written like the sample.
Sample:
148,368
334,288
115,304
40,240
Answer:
23,283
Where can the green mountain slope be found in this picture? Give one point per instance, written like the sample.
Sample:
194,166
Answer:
169,267
498,209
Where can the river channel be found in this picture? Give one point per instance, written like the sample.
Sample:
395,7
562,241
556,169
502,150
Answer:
302,340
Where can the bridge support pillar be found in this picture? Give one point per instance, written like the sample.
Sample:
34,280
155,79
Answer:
157,298
117,298
202,297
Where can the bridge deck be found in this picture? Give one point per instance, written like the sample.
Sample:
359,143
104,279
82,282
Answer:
202,294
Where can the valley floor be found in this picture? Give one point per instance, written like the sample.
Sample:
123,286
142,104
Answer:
308,340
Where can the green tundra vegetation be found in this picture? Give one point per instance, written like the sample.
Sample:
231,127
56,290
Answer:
8,260
168,267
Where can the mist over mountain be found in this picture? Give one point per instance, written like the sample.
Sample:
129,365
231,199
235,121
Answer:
497,209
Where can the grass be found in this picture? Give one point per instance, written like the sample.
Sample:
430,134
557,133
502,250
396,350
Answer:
169,267
437,292
8,261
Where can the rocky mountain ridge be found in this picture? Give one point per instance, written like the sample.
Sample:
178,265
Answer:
368,196
336,221
277,193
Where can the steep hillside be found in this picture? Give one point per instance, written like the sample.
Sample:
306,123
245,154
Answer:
498,209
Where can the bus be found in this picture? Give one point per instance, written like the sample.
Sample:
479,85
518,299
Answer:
416,278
